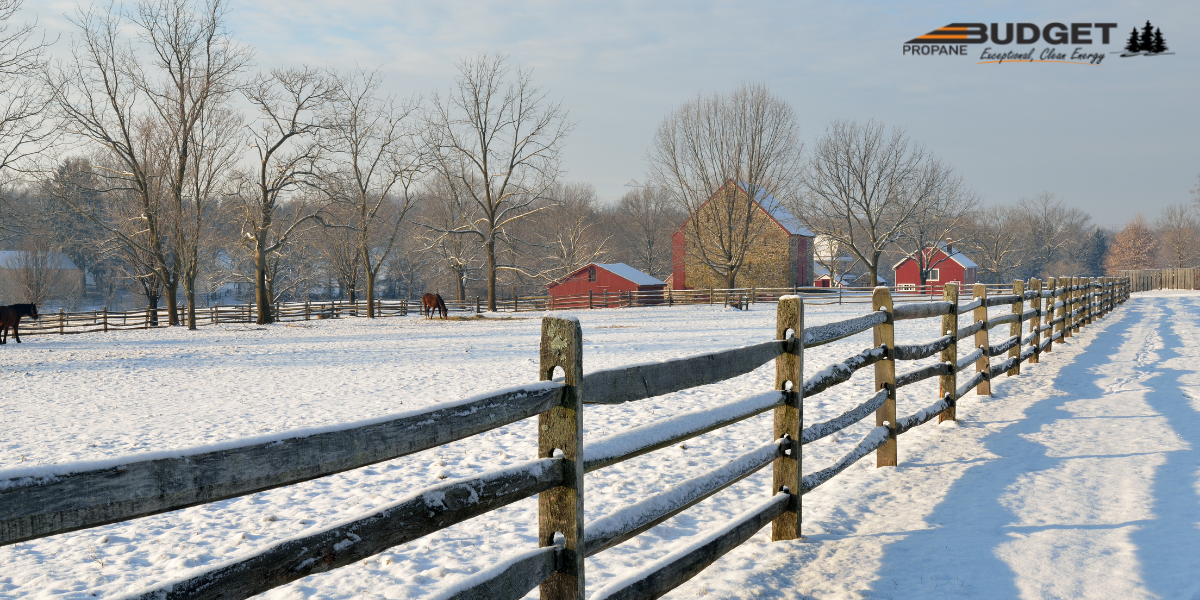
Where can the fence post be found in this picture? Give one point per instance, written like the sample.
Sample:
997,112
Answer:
560,510
1068,321
885,377
1080,303
789,368
1015,328
948,384
1060,312
981,341
591,299
61,321
1035,324
1052,283
1091,299
105,318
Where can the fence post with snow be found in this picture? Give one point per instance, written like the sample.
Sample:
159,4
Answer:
560,434
789,418
885,376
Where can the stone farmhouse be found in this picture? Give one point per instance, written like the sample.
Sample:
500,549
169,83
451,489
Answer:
779,256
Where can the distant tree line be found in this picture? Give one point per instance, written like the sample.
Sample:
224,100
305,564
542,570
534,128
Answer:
171,170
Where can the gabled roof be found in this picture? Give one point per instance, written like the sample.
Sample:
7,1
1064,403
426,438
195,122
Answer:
957,257
621,270
777,211
56,260
630,273
770,205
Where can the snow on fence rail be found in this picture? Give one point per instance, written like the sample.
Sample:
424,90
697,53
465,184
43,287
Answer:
48,501
106,320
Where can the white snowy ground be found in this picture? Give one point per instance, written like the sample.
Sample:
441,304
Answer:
1075,480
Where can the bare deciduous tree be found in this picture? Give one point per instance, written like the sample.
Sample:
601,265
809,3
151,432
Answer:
1054,230
1133,248
568,232
721,145
1178,232
26,126
193,213
286,146
496,139
647,218
144,105
997,238
372,146
940,214
863,186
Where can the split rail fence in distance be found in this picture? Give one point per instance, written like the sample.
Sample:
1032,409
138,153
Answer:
105,320
33,508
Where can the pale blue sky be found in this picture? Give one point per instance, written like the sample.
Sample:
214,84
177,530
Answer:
1113,140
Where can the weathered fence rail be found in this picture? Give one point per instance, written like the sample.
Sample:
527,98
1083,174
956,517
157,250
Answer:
53,503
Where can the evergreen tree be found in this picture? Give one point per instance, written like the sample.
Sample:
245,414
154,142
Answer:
1133,46
1159,45
1147,40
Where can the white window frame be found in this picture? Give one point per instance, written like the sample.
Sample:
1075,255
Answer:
906,287
934,275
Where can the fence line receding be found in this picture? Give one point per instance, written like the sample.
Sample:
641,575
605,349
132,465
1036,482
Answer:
34,508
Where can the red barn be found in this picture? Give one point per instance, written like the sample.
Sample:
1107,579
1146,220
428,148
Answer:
606,283
945,264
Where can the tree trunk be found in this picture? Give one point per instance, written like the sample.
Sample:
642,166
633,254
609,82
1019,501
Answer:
152,305
172,293
370,294
491,267
460,276
262,296
189,290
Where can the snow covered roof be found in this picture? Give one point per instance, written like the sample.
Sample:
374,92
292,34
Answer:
778,212
772,207
957,256
630,273
10,259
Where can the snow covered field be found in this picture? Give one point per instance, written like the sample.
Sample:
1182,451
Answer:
1075,480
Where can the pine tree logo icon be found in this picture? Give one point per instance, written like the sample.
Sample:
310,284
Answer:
1149,42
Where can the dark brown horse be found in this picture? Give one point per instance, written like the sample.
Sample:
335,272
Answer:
431,303
11,315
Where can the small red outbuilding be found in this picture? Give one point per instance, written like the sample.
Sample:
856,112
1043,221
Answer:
943,263
605,282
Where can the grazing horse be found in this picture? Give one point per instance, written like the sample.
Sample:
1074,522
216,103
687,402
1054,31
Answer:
11,315
431,303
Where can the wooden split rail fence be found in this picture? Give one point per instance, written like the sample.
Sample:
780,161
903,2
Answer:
105,320
32,507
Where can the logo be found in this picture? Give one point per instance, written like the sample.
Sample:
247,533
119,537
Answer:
1149,43
1071,43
